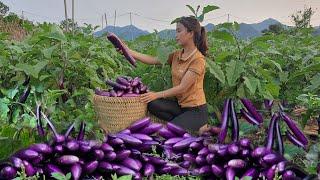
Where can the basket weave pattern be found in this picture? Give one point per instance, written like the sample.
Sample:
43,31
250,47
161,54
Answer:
117,113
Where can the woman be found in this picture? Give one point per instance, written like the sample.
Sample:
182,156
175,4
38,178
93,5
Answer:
189,110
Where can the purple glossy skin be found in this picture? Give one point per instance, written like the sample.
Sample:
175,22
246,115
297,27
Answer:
271,130
252,110
224,126
235,122
119,44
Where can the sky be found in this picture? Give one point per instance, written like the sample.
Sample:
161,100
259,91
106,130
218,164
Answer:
157,14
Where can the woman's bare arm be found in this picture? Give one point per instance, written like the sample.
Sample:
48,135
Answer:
144,58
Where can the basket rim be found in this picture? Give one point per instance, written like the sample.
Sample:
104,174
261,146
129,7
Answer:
122,99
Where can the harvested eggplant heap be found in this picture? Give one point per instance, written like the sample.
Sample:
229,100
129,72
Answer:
145,149
124,86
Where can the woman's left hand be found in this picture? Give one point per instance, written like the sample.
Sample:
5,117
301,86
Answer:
149,96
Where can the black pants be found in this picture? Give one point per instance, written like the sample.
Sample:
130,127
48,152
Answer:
190,118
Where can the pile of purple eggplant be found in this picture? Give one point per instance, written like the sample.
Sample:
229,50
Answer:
124,86
145,149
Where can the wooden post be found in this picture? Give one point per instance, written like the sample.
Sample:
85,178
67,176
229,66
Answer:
73,25
66,15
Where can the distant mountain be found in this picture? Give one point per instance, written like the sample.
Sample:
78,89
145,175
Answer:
264,24
127,32
316,31
209,27
246,30
167,34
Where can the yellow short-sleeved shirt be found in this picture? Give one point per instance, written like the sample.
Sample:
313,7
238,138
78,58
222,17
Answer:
195,95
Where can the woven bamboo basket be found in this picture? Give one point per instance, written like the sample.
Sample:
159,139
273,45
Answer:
117,113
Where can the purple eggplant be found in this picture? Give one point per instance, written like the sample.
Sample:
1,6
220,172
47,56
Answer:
68,159
279,138
249,118
252,172
125,171
121,46
271,130
105,166
235,122
196,146
90,167
272,158
106,147
110,156
288,175
85,148
156,160
259,152
98,154
151,129
142,137
41,148
24,96
76,171
51,168
27,154
252,110
58,137
120,93
116,141
176,129
225,119
217,170
205,170
295,140
129,139
122,81
130,95
81,131
132,164
204,151
179,172
100,92
293,127
237,163
8,172
26,80
200,160
39,122
185,164
72,145
245,153
115,85
184,143
16,162
268,104
70,128
139,124
58,149
270,173
245,142
166,133
123,154
233,149
172,141
189,157
29,169
210,158
230,174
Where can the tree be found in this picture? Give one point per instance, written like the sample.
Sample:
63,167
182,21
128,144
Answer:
3,9
274,28
68,22
302,19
